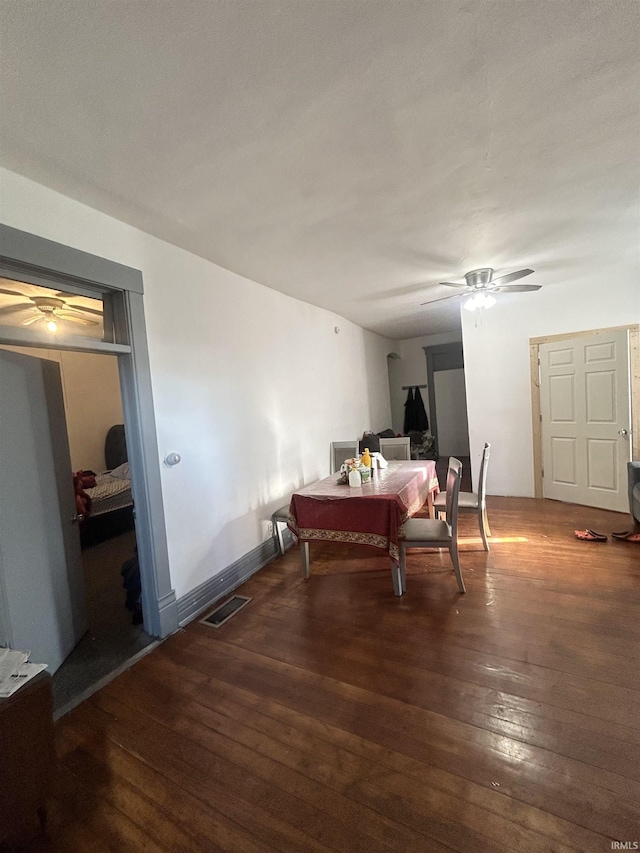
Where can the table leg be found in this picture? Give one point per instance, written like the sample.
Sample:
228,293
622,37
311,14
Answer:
304,553
430,508
396,577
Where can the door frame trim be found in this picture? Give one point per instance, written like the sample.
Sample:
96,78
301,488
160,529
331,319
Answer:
37,257
536,411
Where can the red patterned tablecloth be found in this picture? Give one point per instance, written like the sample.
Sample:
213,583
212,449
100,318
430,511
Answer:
370,515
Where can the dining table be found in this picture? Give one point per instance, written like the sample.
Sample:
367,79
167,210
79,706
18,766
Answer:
372,514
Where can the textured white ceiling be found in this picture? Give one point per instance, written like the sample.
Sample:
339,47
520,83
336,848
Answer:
351,153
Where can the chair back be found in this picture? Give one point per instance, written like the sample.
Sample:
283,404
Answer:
454,475
396,448
482,480
341,450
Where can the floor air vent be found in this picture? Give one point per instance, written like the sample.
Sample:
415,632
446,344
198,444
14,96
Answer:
225,611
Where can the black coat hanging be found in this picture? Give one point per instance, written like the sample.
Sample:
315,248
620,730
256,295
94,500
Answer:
409,412
420,413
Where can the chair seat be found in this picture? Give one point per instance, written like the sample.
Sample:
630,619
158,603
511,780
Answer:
466,500
278,517
426,530
281,514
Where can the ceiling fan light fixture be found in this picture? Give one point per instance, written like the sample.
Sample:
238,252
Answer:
488,301
480,301
52,326
470,304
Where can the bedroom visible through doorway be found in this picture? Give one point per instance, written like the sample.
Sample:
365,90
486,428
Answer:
99,470
98,307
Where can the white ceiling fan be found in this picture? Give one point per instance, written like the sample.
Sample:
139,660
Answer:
50,310
480,285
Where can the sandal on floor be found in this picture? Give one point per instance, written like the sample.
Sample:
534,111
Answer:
627,536
589,536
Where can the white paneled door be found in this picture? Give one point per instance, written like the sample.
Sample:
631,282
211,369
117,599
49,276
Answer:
41,579
585,400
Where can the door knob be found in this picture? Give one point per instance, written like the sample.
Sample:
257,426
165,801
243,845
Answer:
77,517
622,432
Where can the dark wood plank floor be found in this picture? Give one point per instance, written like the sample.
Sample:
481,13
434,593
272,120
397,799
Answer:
330,715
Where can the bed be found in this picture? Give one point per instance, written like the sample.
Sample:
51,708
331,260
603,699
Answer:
111,492
111,499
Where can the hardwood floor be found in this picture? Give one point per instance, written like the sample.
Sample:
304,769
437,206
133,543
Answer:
331,715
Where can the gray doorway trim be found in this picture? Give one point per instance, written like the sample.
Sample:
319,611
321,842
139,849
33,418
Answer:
442,357
42,261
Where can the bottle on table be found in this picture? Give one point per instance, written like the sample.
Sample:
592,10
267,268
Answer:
354,477
366,458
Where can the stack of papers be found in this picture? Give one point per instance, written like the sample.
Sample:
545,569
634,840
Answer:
16,671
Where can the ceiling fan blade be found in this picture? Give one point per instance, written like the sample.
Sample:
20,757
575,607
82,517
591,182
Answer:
71,318
9,309
81,308
31,320
517,288
505,279
12,292
451,284
442,299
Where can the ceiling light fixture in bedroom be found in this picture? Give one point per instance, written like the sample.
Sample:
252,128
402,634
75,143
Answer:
49,310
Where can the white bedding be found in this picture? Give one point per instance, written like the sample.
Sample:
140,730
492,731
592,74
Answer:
109,493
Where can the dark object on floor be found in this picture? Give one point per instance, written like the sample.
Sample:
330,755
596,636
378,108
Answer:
130,572
628,536
589,536
26,757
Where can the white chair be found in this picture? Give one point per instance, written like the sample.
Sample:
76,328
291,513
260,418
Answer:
434,533
396,448
341,450
280,516
471,502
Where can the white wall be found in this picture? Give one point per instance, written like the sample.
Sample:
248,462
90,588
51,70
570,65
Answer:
92,401
496,354
92,405
411,369
250,386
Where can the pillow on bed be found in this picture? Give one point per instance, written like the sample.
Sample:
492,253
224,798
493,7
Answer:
121,472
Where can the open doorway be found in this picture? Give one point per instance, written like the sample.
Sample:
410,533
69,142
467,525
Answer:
448,402
108,592
68,306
